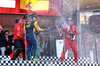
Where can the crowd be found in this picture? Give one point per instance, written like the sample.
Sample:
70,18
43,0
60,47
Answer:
6,42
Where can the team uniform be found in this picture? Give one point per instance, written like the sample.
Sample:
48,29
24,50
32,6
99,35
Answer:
23,23
68,42
18,42
31,40
22,26
36,44
23,35
25,42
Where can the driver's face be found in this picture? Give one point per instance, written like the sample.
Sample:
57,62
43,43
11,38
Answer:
20,21
34,18
70,23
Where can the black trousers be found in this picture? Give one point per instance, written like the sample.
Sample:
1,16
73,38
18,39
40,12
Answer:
20,48
8,52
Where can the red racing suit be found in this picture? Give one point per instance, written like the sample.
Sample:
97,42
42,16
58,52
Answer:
23,35
68,42
22,26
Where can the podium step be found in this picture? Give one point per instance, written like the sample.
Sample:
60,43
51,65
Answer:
44,63
48,61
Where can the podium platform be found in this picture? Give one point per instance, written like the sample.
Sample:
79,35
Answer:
47,61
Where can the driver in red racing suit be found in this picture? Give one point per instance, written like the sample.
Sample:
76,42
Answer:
70,40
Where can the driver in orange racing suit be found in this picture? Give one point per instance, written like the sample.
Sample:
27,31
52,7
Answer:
70,35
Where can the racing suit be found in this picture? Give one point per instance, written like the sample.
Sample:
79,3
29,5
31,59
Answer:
31,41
70,42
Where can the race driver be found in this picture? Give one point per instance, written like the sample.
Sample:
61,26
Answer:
31,41
70,34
